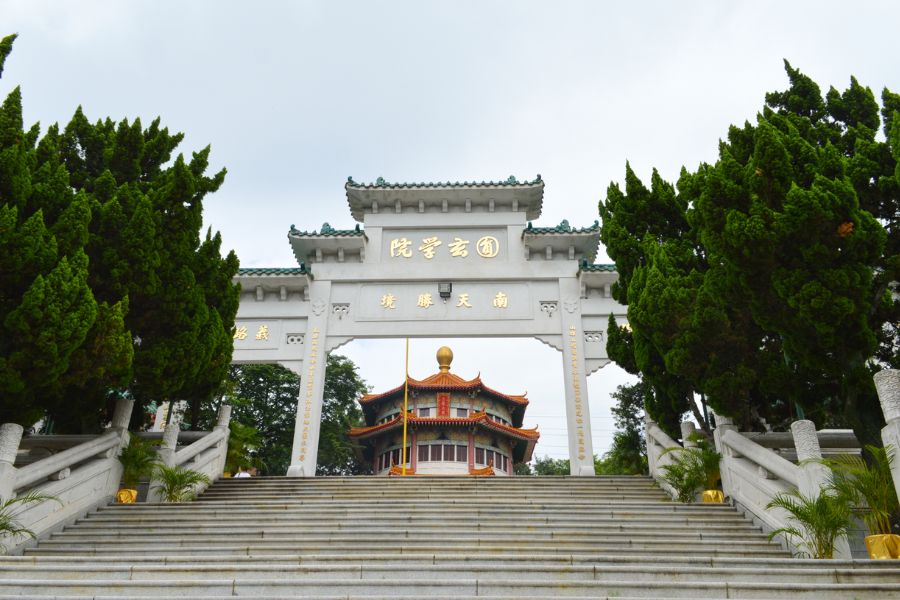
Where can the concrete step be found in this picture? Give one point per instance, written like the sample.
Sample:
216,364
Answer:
401,518
648,549
402,527
430,587
434,505
378,531
428,538
484,571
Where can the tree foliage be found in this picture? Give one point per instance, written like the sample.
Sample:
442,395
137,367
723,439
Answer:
264,397
762,282
107,287
340,412
628,453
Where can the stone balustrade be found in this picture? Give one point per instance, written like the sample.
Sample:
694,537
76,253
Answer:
205,454
658,444
753,472
887,382
82,473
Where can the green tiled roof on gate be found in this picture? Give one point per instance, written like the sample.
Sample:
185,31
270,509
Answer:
563,227
258,271
327,231
597,268
382,183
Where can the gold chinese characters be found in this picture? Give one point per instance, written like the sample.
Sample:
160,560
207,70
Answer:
486,247
426,300
240,332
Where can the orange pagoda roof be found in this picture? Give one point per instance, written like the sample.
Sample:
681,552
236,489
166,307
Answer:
440,382
475,419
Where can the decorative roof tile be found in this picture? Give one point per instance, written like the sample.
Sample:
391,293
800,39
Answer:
597,268
563,227
480,418
445,382
273,271
328,231
510,181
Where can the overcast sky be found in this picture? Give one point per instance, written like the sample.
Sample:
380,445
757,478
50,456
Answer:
296,96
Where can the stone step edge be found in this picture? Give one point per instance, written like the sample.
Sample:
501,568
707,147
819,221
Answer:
476,584
462,558
595,570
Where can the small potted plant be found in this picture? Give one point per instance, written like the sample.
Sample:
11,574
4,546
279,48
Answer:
817,522
695,468
138,459
178,484
870,489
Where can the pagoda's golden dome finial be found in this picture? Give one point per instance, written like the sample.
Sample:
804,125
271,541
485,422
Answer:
444,358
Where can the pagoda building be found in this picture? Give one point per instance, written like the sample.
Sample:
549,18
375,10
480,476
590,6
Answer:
454,427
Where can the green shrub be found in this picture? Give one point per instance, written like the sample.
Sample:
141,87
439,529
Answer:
178,484
9,512
869,486
139,459
818,522
693,469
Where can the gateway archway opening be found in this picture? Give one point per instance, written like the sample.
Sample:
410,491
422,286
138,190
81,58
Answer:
433,261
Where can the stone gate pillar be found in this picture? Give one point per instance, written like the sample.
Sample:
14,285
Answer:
305,448
578,414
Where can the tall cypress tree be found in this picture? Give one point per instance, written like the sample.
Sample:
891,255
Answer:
784,297
106,285
46,305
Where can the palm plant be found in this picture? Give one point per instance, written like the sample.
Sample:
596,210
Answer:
694,468
177,484
869,486
138,459
818,522
9,512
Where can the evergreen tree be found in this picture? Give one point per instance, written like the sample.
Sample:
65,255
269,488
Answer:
772,300
107,286
47,309
340,412
628,453
265,397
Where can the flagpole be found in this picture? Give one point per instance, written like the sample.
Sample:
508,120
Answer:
405,413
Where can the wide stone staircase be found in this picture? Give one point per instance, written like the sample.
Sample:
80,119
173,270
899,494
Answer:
428,537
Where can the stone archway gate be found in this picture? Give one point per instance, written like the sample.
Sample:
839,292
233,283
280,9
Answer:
432,260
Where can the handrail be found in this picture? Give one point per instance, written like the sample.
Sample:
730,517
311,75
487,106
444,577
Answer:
784,439
207,441
57,462
54,441
183,436
763,457
661,437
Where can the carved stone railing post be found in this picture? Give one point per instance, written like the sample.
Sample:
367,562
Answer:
887,382
10,437
687,430
813,474
120,420
166,455
222,422
652,452
724,424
